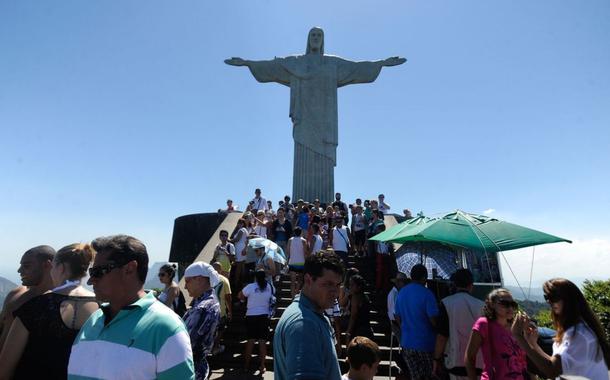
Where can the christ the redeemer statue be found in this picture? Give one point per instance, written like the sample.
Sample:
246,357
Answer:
313,79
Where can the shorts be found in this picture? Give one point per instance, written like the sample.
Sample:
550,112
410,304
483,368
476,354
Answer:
360,237
419,363
297,268
257,327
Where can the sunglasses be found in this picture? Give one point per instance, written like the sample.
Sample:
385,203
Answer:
551,298
102,270
508,303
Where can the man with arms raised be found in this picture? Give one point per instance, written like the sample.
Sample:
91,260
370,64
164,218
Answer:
35,271
304,342
132,336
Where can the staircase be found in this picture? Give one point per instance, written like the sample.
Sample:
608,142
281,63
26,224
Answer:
231,360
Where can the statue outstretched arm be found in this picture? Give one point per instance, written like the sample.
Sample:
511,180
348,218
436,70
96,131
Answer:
264,71
393,61
236,61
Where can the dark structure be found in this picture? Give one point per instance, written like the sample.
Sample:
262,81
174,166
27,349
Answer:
191,233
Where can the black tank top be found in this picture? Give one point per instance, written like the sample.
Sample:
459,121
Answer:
50,341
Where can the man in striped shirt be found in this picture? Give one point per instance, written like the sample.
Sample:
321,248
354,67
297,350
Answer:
132,336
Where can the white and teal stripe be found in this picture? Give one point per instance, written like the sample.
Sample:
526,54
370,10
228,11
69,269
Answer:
146,340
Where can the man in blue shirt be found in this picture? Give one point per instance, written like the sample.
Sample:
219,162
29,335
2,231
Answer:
304,341
416,312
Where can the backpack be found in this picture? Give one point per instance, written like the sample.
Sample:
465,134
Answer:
180,306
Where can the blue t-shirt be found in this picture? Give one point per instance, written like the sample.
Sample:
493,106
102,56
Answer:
303,221
303,344
415,306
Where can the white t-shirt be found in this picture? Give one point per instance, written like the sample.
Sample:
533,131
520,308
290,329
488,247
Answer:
258,301
581,354
340,239
392,303
382,207
297,251
240,245
317,243
260,204
261,230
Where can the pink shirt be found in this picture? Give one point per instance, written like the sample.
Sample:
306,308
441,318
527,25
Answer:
509,361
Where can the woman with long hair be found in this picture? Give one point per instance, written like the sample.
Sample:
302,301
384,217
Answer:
260,296
359,320
580,348
40,339
502,356
171,295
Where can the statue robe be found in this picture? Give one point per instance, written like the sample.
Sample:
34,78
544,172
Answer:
313,80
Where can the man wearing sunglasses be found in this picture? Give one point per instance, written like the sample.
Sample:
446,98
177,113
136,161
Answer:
132,335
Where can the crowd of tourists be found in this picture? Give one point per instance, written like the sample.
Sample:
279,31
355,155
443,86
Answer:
52,327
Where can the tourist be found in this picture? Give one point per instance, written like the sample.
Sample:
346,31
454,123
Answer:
258,202
260,224
41,336
224,253
360,309
341,205
260,297
203,317
382,263
171,295
316,240
491,334
358,230
303,344
225,301
35,270
240,240
296,251
105,346
373,225
399,282
416,312
407,214
303,219
270,206
383,206
264,261
339,239
363,356
344,293
457,315
230,207
581,347
281,229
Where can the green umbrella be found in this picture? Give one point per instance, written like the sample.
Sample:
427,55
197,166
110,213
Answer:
468,231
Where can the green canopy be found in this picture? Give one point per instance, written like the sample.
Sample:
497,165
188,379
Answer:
467,230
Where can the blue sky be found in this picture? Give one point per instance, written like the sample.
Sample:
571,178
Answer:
117,117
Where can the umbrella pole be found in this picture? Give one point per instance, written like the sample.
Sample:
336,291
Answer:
529,289
391,349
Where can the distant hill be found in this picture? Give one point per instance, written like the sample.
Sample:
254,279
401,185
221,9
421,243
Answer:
535,294
5,287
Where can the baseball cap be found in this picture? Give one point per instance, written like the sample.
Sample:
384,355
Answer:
200,268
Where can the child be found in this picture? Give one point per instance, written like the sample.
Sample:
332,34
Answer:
363,359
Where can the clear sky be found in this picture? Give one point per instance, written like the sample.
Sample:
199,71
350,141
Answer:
117,117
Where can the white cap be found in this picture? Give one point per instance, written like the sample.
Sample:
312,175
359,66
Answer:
200,268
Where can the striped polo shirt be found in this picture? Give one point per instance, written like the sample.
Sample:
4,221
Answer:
145,340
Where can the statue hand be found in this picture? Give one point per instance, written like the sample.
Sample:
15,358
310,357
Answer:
236,61
394,61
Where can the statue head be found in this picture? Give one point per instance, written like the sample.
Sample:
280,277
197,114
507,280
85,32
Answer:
315,41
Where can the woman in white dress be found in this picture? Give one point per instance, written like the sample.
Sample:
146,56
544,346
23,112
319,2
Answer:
581,347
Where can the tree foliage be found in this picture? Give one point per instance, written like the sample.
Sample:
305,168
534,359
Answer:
597,294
